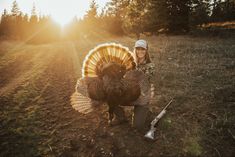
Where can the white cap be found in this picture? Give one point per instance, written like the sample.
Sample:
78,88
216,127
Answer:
141,43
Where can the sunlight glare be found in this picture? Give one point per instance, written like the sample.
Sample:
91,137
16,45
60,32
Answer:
62,11
65,10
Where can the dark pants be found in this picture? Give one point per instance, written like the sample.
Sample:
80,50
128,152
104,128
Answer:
139,117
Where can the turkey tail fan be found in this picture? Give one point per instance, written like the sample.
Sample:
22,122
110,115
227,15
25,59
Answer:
84,104
80,100
81,103
106,53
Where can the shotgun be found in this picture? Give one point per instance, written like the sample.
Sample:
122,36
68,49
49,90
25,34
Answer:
150,133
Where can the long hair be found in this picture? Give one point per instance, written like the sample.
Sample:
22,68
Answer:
147,57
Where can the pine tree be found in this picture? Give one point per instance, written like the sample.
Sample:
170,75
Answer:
91,18
200,11
4,25
102,14
223,10
179,11
117,7
34,17
15,9
25,26
19,26
157,16
92,12
134,21
13,31
115,15
4,13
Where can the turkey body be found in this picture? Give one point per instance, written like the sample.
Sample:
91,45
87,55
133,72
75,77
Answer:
109,77
113,88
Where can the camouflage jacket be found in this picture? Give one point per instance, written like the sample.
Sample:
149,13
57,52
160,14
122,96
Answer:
149,70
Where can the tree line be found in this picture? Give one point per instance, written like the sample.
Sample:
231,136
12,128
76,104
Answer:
155,16
18,26
118,17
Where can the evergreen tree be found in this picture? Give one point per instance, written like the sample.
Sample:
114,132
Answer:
25,26
33,18
4,25
200,11
102,14
15,17
115,15
91,18
134,21
223,10
117,7
157,15
92,12
179,11
4,13
15,9
18,30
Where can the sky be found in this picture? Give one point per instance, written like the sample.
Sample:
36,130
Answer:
62,11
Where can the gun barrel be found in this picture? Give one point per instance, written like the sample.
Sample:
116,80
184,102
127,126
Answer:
161,114
168,104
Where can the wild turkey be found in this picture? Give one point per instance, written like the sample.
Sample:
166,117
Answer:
109,76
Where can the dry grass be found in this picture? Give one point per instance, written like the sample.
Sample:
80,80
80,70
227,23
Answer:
37,120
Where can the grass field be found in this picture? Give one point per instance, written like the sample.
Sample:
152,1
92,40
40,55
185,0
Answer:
36,118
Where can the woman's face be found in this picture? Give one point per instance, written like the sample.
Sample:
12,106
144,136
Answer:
140,52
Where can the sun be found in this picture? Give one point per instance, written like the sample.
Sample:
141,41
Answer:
62,11
65,10
62,19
